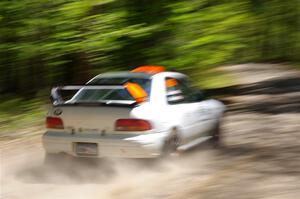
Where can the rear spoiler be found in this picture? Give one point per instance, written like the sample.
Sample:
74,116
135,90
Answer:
134,90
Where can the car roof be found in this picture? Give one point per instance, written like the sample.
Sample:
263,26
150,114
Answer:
127,74
141,72
124,74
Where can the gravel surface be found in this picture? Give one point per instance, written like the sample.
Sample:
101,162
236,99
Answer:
259,158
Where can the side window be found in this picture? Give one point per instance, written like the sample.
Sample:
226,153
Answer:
178,91
174,93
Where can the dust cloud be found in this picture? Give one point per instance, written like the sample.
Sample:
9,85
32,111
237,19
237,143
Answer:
24,175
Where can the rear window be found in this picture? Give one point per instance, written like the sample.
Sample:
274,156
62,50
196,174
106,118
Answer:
89,95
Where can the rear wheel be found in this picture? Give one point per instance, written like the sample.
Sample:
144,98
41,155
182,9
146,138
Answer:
171,145
215,140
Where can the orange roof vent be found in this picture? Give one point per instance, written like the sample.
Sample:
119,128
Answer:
149,69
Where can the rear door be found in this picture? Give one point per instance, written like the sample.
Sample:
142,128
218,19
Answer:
195,117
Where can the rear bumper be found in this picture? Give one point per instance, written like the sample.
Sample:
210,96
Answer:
140,146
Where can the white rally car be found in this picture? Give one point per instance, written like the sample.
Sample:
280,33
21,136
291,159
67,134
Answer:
144,113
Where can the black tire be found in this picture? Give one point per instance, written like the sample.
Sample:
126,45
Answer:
171,145
216,137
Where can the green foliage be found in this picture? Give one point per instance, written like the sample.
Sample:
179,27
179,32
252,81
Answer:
44,43
15,113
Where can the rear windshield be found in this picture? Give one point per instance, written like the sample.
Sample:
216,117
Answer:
89,95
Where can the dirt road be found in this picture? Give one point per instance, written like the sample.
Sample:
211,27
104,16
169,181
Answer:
260,157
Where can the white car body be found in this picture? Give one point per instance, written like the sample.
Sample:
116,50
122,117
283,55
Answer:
192,123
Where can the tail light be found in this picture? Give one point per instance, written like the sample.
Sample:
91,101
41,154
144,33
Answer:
132,125
54,123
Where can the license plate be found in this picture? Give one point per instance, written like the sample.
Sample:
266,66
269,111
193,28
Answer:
87,149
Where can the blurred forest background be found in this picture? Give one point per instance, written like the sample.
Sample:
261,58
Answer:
45,42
